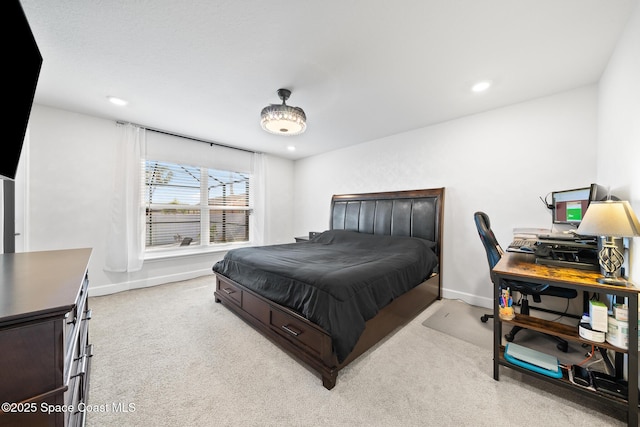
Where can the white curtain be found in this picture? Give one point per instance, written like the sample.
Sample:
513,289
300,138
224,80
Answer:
257,202
125,241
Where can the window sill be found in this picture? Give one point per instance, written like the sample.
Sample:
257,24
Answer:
191,251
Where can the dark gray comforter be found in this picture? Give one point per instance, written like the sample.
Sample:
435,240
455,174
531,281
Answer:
338,280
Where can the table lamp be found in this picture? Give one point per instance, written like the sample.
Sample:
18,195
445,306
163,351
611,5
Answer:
611,221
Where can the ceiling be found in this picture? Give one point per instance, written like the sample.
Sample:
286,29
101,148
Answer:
360,69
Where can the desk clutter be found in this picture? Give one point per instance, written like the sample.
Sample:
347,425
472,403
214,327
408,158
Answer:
506,311
549,365
600,325
618,327
598,381
559,249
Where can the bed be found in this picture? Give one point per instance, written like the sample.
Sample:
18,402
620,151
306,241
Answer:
329,300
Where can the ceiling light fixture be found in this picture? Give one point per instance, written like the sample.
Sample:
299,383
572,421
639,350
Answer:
481,86
282,119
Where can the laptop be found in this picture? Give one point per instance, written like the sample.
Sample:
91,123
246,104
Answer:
532,357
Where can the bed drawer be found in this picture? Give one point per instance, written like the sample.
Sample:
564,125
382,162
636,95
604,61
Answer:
255,307
296,330
232,292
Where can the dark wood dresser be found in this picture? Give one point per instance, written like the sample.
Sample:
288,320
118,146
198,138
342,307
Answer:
44,338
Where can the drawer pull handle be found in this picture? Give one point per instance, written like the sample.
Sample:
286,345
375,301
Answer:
83,366
84,359
229,291
291,330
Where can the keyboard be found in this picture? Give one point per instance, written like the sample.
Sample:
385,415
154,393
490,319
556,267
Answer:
522,245
558,236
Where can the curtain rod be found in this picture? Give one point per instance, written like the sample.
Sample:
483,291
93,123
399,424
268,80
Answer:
190,137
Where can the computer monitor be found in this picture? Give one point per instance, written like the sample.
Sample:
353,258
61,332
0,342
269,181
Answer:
569,206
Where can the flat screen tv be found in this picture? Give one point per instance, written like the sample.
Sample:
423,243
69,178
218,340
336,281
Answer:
21,65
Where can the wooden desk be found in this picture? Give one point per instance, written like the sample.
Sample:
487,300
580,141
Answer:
522,267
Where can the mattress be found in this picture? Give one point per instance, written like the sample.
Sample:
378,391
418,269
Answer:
337,280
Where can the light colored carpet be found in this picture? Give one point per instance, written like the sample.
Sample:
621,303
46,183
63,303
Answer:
174,357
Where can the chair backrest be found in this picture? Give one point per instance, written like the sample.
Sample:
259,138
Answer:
491,245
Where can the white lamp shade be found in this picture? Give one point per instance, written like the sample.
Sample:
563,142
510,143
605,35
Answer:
609,218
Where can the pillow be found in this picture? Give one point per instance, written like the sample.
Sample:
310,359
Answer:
346,236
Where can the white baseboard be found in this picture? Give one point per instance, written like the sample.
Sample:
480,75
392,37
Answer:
468,298
113,288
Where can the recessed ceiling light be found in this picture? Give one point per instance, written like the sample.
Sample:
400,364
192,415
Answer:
117,101
481,86
291,148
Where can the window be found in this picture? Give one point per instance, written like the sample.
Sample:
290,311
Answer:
190,205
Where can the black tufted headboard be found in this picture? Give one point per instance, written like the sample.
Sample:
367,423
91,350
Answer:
417,213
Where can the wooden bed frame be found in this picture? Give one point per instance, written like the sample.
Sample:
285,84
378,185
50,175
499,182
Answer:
417,213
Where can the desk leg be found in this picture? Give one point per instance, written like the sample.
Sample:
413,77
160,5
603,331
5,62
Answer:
497,331
632,374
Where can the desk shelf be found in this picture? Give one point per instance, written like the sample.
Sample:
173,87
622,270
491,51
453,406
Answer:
561,330
566,383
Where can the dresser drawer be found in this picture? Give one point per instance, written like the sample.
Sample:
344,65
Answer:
232,292
296,330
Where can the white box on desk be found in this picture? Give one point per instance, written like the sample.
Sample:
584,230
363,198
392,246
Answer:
598,316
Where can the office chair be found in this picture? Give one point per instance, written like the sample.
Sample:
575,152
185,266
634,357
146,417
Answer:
494,253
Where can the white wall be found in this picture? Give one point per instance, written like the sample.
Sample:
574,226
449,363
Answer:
71,170
619,125
500,162
279,199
